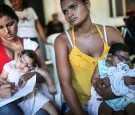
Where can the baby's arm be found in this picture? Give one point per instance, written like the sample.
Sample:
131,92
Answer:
48,79
129,80
3,76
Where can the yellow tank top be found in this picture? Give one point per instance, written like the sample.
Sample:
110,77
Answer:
82,67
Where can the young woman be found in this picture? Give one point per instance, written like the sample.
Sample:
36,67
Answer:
29,25
10,46
77,52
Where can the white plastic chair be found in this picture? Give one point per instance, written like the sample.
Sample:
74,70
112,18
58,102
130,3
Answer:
51,56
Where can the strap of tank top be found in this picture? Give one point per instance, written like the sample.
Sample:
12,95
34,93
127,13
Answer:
99,32
69,39
105,34
73,34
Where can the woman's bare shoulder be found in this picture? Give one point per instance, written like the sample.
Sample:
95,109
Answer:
62,38
114,35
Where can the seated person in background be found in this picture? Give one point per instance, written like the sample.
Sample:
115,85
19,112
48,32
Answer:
114,72
27,61
54,26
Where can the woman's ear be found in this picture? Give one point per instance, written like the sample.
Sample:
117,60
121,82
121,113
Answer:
88,4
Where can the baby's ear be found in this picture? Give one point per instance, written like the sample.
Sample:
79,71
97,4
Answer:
108,56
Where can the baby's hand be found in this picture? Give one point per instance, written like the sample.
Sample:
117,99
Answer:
106,81
22,81
129,80
51,88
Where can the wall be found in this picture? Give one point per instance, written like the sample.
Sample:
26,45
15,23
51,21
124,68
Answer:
99,12
130,4
53,6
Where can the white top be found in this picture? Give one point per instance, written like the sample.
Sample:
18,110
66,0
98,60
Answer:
14,74
26,25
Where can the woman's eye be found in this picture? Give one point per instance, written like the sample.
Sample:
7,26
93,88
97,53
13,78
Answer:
10,24
73,7
1,27
65,12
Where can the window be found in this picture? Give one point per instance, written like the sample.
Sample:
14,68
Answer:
116,8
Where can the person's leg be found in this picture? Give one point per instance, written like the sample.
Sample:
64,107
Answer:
65,110
10,109
41,112
119,113
130,109
50,108
105,109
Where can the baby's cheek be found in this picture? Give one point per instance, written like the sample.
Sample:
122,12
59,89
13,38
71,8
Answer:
25,70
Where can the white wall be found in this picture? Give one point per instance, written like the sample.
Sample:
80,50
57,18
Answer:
53,6
99,12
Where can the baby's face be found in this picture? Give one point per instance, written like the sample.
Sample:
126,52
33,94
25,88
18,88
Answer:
120,57
24,63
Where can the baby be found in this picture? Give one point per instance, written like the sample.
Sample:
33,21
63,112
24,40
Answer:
114,72
27,61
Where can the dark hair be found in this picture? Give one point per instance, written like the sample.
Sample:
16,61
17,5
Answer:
6,10
82,1
118,47
31,54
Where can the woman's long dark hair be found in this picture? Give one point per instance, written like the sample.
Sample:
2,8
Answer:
6,10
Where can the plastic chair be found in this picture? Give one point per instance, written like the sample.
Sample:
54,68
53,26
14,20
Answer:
51,56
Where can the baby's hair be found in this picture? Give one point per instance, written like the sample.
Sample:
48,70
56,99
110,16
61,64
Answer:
118,47
81,0
31,54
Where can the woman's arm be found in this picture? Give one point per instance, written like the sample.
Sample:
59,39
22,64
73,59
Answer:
95,75
65,76
41,31
3,76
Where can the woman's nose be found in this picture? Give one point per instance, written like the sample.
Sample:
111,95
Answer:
7,30
70,14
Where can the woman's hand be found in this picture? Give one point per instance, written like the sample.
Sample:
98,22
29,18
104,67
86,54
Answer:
106,81
6,90
105,92
129,80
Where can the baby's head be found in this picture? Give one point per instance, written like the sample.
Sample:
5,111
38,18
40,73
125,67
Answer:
26,61
118,52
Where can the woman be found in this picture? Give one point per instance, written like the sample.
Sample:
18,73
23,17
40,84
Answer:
10,45
77,52
29,24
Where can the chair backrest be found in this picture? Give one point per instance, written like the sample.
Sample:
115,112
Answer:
129,34
50,51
